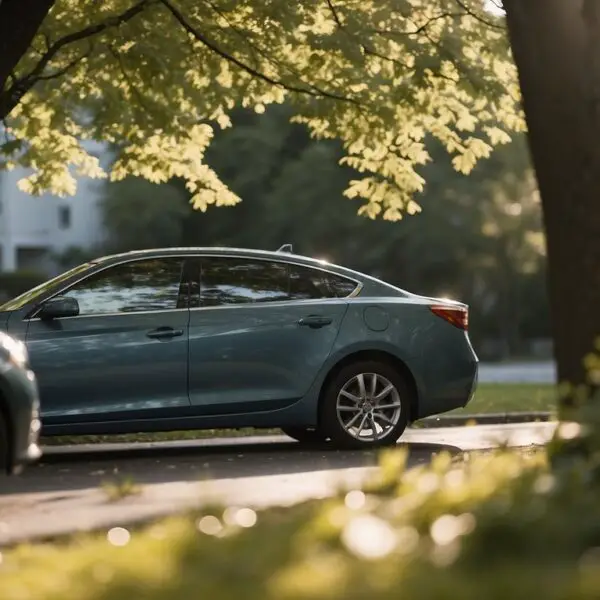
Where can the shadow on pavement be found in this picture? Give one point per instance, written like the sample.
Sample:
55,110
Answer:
82,469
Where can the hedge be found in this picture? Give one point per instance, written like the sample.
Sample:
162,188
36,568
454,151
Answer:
13,283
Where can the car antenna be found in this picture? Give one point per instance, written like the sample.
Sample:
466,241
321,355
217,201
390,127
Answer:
286,248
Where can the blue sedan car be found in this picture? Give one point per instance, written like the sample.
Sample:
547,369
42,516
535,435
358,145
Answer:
19,408
193,338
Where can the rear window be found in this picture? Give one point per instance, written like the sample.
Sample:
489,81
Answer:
311,284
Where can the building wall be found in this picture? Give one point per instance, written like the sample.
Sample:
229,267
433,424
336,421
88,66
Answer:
34,228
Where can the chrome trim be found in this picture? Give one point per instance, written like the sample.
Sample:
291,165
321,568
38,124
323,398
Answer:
357,290
267,304
119,314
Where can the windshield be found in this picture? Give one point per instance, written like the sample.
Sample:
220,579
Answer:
25,297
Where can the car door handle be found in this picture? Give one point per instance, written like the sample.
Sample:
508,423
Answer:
164,333
314,321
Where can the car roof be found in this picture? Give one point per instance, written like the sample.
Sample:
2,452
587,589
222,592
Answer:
226,251
192,250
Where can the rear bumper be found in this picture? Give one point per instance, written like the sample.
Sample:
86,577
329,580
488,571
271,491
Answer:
450,383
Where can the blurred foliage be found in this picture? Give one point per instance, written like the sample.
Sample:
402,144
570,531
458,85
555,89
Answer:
479,238
501,525
120,487
138,214
74,255
14,283
379,76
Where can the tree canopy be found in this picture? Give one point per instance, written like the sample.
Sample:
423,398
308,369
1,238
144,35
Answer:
155,77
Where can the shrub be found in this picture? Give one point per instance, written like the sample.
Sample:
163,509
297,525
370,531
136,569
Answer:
13,283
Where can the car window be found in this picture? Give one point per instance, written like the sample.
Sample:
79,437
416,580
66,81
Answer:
340,286
237,280
136,286
313,284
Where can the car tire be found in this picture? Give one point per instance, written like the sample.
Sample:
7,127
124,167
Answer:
305,435
4,455
347,404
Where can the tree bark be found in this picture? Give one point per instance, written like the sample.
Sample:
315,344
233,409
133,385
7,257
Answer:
19,22
556,47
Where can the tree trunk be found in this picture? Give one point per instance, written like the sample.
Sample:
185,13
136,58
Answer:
19,22
556,46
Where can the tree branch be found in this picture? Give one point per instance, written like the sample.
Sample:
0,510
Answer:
366,49
68,67
454,60
19,23
336,16
258,50
477,17
11,97
128,79
421,28
246,68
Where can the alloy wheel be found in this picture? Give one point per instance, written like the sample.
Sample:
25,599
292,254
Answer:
368,407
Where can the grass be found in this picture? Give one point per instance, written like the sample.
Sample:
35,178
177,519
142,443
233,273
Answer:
489,398
511,397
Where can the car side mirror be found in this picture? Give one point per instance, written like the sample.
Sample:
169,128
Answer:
58,307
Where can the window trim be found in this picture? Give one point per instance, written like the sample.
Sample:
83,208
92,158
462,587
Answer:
33,312
358,285
32,315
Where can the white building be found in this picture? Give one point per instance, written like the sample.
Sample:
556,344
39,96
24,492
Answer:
34,228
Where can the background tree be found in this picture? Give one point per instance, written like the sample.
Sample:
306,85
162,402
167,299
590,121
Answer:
137,215
380,76
556,45
479,238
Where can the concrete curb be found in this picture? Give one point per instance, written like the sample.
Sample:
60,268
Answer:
483,419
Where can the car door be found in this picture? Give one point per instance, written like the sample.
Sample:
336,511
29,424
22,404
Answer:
126,353
254,343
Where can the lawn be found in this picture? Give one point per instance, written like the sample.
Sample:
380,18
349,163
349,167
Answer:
511,397
489,398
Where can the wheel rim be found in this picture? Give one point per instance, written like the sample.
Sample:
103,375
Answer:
368,407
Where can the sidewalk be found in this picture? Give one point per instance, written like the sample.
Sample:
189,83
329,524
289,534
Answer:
458,420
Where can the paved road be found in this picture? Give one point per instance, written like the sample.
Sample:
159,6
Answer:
63,493
518,372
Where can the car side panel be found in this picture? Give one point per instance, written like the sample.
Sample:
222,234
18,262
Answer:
257,356
91,366
439,355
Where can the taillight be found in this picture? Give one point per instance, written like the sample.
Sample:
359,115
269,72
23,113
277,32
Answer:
456,315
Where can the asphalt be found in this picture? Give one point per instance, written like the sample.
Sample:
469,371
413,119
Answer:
65,492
